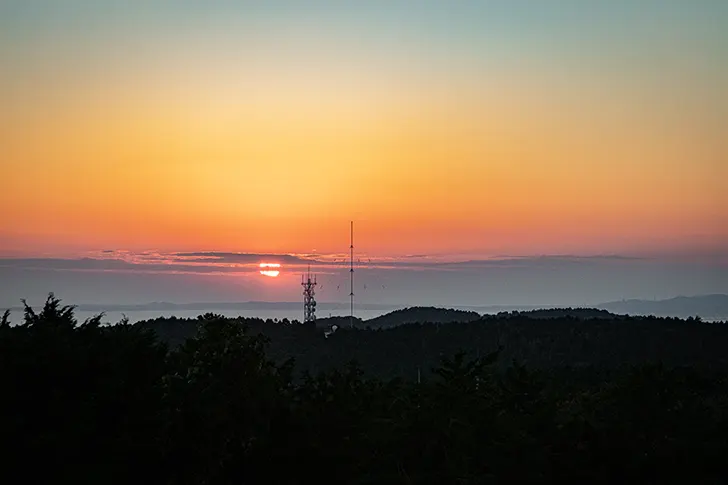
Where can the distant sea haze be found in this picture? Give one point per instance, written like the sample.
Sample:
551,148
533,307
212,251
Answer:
708,307
140,315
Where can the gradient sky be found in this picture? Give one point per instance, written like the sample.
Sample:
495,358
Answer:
469,129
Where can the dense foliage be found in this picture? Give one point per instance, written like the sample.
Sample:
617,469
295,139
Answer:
580,341
89,403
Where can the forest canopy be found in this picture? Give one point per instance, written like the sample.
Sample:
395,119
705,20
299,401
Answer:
229,400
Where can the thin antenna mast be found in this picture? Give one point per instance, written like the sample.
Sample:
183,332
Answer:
351,278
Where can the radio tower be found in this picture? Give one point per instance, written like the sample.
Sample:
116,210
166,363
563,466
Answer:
309,300
351,278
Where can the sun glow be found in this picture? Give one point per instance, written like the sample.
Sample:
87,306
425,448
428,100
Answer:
270,272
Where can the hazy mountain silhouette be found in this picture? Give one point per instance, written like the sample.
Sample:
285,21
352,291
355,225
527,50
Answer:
704,306
449,315
402,317
421,315
340,321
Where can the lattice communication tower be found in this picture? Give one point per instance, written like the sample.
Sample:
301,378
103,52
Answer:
309,296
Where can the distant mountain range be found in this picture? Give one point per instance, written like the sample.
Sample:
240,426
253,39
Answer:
404,316
709,307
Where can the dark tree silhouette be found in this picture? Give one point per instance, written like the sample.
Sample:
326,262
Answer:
586,400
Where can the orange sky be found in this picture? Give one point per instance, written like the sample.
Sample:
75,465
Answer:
201,146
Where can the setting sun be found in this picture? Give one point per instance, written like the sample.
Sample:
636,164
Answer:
270,272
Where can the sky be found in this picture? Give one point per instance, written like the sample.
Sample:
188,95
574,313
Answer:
592,135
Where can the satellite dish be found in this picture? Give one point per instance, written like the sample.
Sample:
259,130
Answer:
334,328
